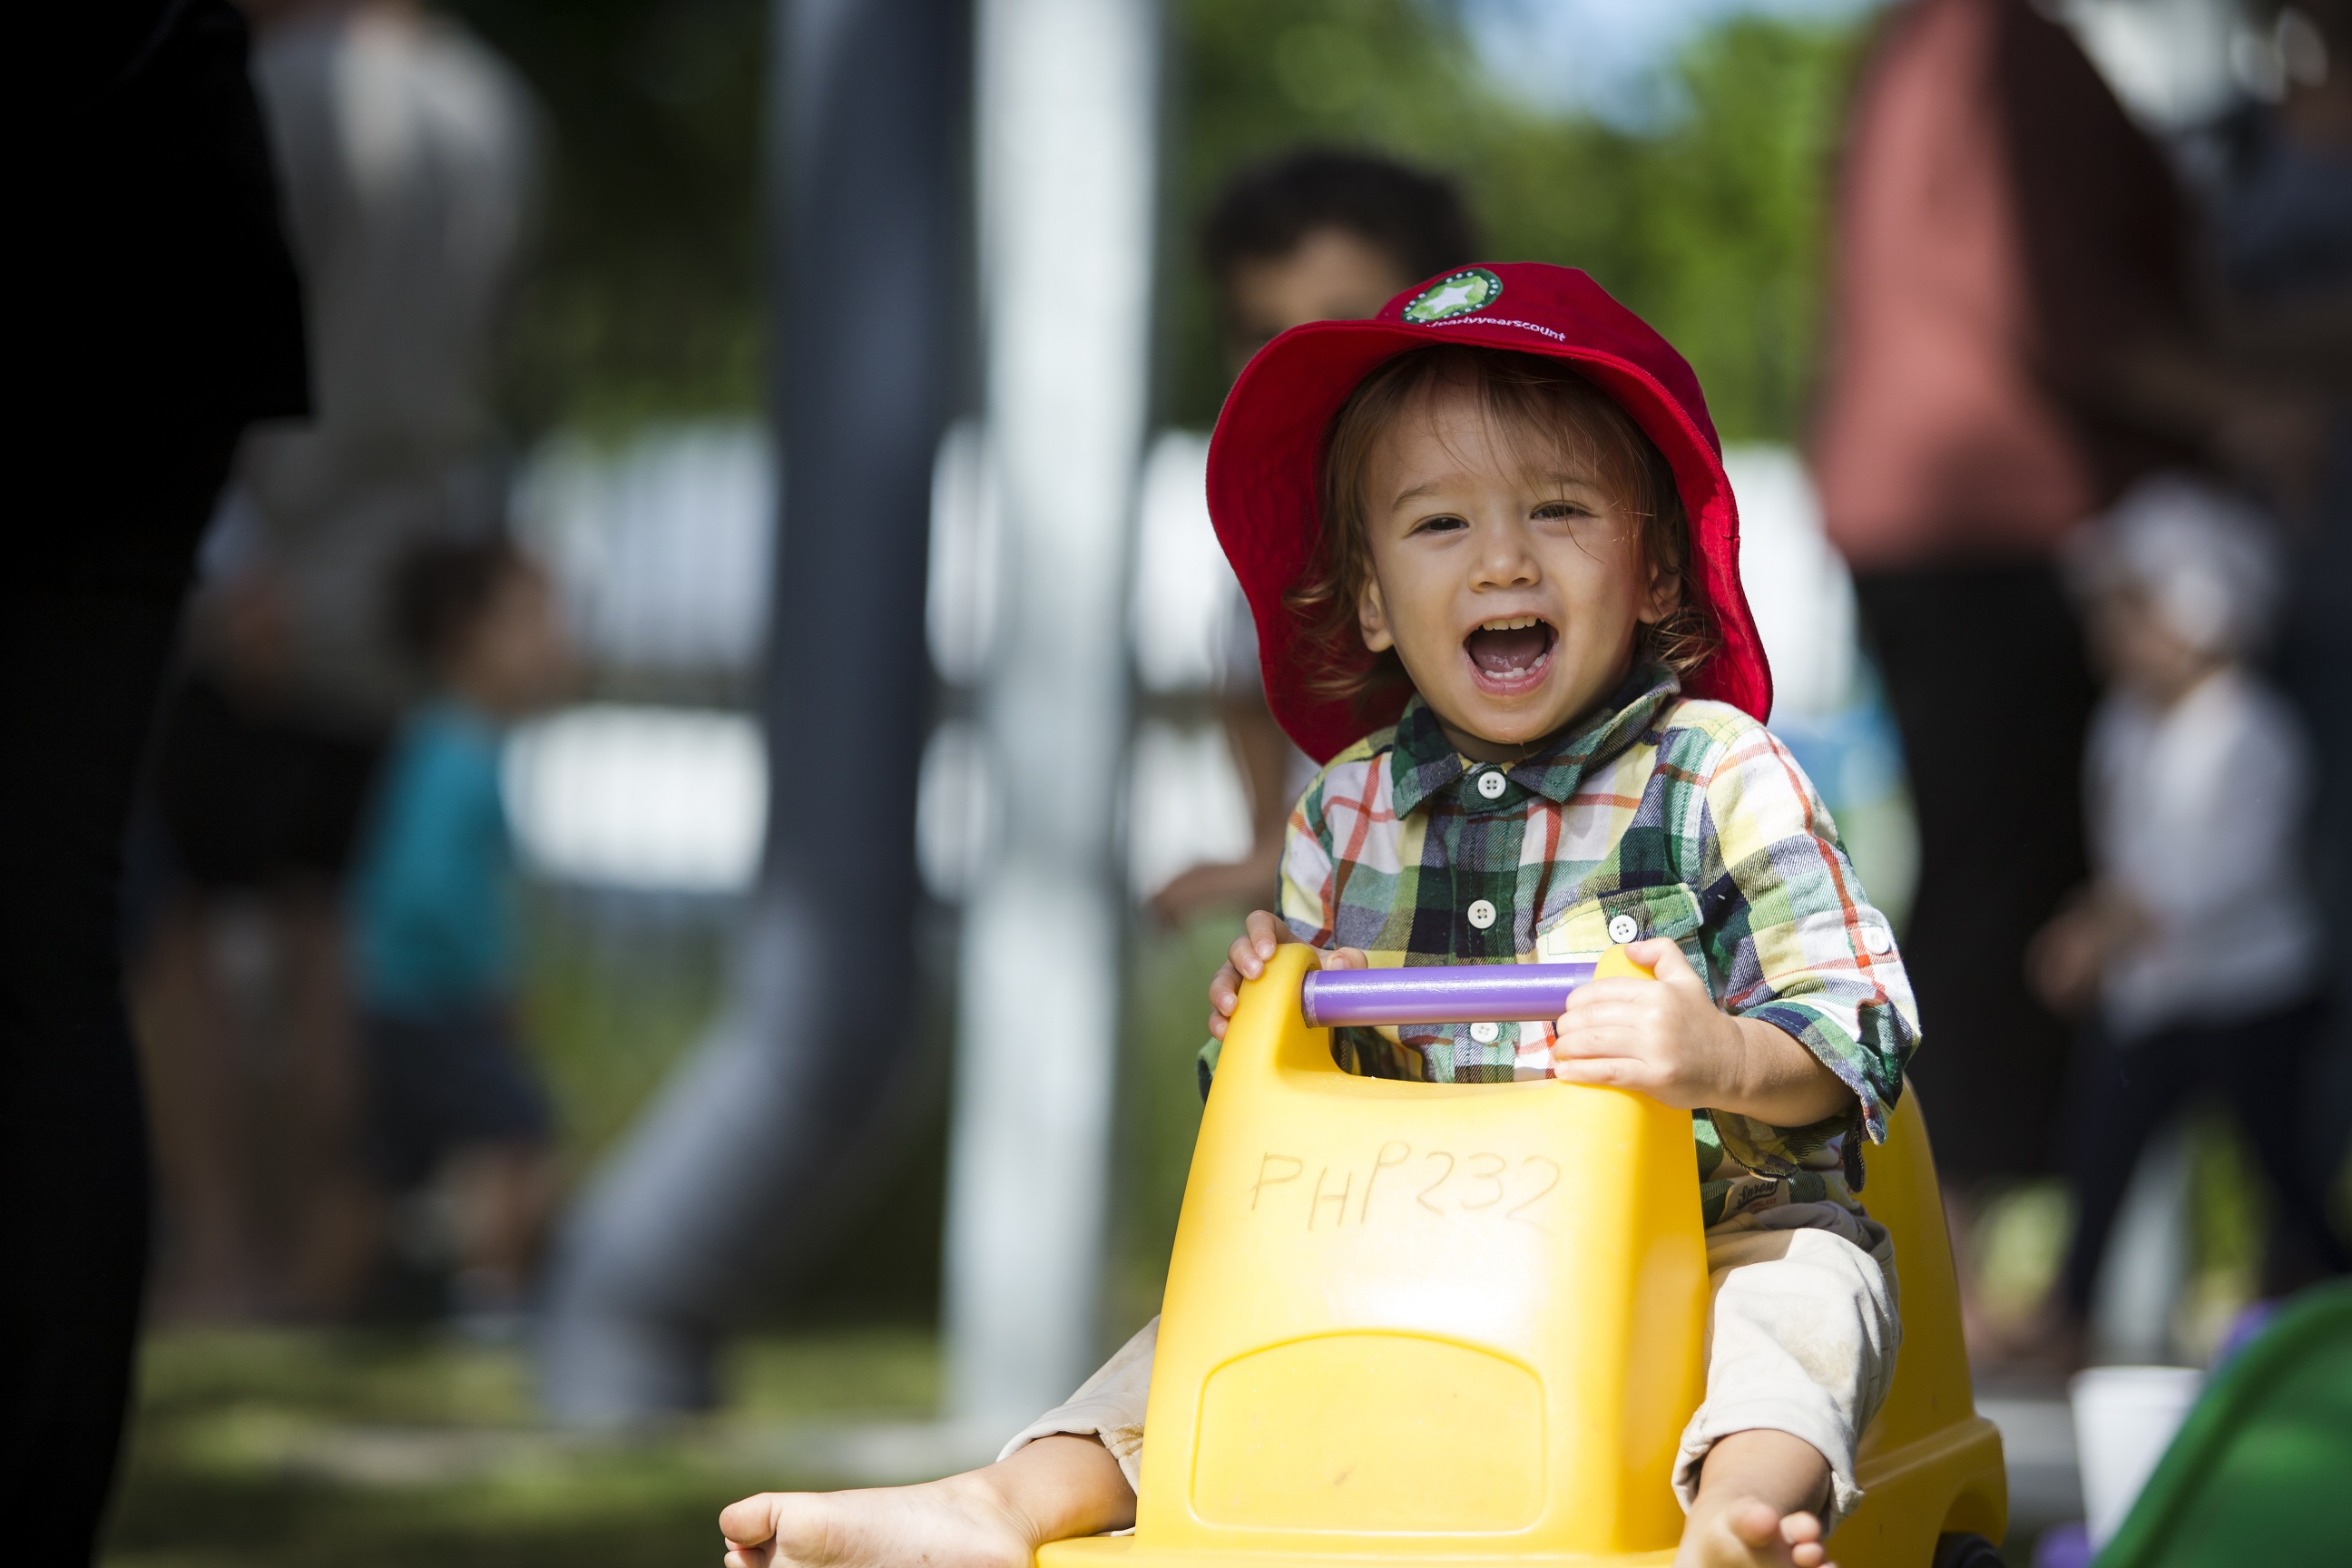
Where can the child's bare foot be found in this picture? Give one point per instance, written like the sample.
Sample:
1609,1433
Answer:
956,1523
1748,1532
992,1518
1758,1491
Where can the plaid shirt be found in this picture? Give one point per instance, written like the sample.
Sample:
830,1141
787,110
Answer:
1664,818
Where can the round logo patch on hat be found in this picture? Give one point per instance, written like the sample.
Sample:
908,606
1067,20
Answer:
1456,294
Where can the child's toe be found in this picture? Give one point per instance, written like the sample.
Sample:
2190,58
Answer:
1754,1524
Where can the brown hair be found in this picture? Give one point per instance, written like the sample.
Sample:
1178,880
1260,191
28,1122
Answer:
1527,394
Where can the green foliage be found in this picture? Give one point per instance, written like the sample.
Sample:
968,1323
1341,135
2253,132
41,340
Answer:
644,300
647,300
1712,227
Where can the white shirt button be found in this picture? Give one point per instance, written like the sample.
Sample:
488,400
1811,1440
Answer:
1482,914
1491,782
1623,929
1877,938
1485,1034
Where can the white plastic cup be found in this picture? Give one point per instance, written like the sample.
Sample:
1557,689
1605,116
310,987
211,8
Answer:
2125,1417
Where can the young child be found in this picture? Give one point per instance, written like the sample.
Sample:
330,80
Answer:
1494,562
452,1097
2195,953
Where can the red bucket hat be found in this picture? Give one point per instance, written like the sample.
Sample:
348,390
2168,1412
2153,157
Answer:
1266,457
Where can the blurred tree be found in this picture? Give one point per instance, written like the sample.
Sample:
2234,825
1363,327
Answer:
646,300
1712,225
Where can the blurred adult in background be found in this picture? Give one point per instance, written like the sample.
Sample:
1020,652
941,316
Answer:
408,160
164,315
2194,951
1315,235
2013,342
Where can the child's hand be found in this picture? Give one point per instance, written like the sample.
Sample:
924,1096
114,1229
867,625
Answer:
750,1528
1247,959
1665,1038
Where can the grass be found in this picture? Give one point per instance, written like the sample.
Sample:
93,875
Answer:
614,996
275,1448
278,1448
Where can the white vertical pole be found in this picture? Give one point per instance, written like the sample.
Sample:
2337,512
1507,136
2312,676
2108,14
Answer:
1066,117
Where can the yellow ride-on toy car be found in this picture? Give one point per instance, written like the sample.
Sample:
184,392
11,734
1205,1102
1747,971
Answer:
1462,1323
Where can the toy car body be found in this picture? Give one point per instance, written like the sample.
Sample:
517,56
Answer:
1462,1323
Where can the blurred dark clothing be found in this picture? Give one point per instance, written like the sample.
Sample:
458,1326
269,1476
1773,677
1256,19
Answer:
2283,229
2283,243
2006,236
1984,667
252,797
453,1078
81,655
2121,1092
165,291
166,318
2004,231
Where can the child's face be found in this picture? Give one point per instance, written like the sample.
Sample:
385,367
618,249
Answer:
2137,648
1511,589
516,659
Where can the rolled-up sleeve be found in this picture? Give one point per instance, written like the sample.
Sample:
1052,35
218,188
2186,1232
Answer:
1796,944
1108,1406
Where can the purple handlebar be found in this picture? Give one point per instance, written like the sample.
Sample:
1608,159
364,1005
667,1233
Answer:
1440,993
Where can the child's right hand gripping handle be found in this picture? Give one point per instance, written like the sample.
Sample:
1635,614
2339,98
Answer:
1453,993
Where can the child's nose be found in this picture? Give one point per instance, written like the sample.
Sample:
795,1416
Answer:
1504,561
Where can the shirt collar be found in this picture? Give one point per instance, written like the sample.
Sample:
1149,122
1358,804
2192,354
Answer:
1422,760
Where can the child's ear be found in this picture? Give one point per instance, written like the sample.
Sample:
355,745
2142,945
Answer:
1372,620
1662,598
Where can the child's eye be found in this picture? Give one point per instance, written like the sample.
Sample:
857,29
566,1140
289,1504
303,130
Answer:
1443,522
1559,509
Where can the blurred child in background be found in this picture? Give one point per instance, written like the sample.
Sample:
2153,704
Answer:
453,1101
2193,953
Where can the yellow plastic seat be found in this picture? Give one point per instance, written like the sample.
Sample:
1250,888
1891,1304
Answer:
1462,1323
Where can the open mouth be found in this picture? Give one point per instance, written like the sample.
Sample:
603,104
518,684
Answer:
1511,650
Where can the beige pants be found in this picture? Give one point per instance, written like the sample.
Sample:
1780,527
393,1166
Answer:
1801,1332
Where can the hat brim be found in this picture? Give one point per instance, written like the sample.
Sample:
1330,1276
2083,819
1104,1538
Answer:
1264,497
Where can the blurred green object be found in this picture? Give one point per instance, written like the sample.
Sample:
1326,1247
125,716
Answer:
2261,1471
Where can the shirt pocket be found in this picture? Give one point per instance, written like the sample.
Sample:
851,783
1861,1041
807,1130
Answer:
1581,932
